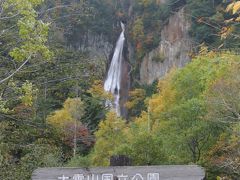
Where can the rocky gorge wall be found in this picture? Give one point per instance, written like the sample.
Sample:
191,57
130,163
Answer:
172,51
96,45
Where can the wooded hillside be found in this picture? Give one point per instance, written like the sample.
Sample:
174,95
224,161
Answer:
54,57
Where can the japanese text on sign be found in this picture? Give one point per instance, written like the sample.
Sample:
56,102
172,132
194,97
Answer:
138,176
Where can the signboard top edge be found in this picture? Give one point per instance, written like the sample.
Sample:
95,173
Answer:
144,172
114,167
195,168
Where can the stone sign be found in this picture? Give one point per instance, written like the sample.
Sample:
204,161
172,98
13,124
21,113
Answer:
179,172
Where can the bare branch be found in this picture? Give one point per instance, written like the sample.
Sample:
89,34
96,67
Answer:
57,7
210,25
18,69
5,30
9,17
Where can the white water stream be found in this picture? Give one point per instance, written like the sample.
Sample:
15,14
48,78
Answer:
113,81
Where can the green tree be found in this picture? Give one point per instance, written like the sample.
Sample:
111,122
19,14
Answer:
178,113
223,108
67,122
142,147
108,137
32,33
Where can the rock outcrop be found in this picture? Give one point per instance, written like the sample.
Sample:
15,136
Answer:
97,46
173,49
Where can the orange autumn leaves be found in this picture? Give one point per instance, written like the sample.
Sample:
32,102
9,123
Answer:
234,9
67,122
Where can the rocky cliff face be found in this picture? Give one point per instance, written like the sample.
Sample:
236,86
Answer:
96,45
173,49
125,84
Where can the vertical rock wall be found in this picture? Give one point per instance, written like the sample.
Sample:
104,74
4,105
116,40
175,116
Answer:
96,45
125,86
173,49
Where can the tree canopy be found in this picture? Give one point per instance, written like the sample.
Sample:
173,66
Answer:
53,60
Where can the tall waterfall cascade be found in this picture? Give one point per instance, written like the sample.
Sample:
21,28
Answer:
112,83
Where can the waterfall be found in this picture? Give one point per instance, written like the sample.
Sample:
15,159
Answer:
112,83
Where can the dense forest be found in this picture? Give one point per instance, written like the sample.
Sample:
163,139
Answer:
54,57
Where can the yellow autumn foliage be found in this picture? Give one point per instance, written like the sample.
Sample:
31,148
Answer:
236,7
230,7
158,103
233,7
29,94
97,91
72,110
136,96
166,96
109,135
142,121
60,118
